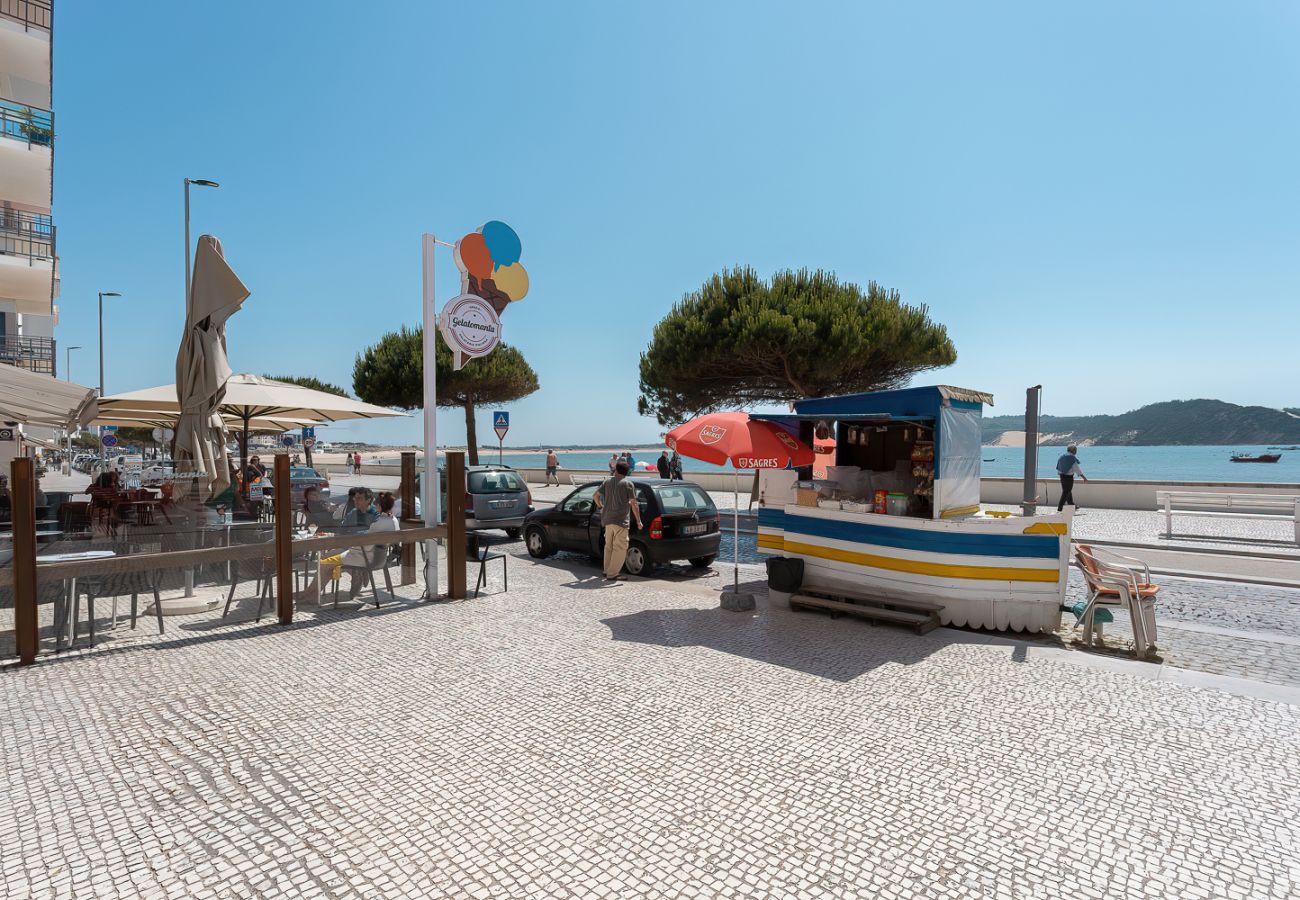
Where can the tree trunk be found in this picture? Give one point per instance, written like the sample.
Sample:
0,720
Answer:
471,433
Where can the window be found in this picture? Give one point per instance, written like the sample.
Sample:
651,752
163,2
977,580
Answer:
580,500
495,482
684,498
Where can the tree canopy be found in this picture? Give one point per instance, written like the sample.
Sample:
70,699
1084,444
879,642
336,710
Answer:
391,373
740,340
308,381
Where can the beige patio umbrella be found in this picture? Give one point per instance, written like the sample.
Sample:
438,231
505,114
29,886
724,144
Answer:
250,398
35,399
216,294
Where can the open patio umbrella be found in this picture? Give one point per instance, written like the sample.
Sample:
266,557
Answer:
250,398
744,443
202,368
35,399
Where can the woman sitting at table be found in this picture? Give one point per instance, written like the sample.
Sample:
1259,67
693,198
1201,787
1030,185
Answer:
316,511
359,559
107,480
360,512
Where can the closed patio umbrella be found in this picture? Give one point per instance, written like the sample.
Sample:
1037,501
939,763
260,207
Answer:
202,369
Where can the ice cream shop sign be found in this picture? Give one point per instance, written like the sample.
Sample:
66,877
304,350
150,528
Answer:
470,327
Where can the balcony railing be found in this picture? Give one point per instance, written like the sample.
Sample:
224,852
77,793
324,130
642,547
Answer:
29,12
26,235
36,354
26,123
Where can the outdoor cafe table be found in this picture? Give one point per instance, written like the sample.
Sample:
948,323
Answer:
65,627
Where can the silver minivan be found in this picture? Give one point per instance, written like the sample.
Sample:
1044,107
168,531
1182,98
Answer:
495,497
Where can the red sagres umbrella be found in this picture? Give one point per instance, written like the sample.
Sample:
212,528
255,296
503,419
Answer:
735,438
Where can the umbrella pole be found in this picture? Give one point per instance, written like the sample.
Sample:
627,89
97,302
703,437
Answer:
735,534
243,466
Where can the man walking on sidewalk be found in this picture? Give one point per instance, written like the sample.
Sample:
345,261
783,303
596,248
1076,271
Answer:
1067,467
616,500
552,468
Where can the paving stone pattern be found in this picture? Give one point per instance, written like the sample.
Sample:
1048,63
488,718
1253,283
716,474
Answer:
571,739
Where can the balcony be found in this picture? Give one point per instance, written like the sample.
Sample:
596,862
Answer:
26,123
28,236
30,13
36,354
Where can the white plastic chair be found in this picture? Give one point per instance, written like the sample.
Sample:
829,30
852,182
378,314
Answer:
1119,582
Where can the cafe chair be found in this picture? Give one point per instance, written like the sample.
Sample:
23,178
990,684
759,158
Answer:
1117,582
375,557
261,570
114,586
474,552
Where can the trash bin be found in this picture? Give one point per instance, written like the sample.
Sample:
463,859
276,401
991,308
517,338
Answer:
784,577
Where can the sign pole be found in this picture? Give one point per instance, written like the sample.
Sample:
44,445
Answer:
429,485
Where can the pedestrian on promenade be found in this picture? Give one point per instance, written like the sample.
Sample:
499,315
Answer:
356,458
675,466
631,462
350,466
1067,467
552,468
613,461
663,465
616,500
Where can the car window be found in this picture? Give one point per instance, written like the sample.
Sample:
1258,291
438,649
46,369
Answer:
302,472
680,498
495,482
580,500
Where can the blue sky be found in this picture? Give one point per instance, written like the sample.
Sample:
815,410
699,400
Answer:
1100,197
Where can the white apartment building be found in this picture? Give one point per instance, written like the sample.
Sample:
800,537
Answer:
29,268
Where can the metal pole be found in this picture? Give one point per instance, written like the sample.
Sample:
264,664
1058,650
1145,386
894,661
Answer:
432,494
22,491
101,343
735,532
1029,500
187,251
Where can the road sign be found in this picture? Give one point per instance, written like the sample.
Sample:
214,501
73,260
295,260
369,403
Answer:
308,432
309,442
287,440
163,434
108,429
501,424
109,440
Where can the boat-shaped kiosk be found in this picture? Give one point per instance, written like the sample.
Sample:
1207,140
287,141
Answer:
898,515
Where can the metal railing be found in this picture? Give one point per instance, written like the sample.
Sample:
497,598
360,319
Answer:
26,123
29,235
30,12
35,354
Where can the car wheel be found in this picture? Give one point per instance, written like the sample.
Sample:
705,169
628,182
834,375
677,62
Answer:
702,562
538,544
513,533
638,561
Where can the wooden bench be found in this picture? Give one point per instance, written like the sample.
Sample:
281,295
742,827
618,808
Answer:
1228,506
919,615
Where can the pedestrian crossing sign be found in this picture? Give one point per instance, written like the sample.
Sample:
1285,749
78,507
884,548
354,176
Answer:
501,424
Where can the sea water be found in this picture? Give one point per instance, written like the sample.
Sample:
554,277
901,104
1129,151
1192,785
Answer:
1202,463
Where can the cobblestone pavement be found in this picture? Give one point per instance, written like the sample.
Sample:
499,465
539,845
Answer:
572,739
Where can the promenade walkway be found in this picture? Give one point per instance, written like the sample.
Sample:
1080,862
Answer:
572,739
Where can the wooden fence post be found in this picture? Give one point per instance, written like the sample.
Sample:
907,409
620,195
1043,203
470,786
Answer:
22,494
455,513
408,513
283,500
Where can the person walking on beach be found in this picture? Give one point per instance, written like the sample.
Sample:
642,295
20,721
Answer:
552,468
350,466
616,500
662,464
1067,467
613,461
356,458
675,466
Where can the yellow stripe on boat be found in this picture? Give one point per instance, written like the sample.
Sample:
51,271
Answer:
771,541
959,511
916,567
1046,528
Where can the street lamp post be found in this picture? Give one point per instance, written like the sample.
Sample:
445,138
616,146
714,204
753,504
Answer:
67,369
102,295
201,182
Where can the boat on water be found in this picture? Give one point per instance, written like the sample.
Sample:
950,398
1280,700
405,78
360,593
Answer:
898,514
1257,458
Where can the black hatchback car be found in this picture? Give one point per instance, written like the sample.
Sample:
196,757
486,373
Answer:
679,519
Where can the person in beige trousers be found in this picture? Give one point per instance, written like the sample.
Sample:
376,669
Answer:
616,500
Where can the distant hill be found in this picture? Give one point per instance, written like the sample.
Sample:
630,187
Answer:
1161,424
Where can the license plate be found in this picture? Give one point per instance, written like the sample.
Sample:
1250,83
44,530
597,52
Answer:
696,529
500,504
